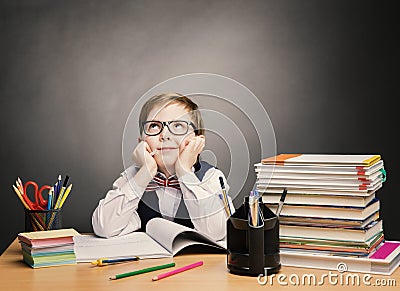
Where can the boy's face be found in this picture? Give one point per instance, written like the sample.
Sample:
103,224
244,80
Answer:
166,143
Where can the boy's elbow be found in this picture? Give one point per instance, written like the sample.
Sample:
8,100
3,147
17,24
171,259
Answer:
101,229
107,228
102,226
217,232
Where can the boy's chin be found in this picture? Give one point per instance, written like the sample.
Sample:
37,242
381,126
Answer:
168,163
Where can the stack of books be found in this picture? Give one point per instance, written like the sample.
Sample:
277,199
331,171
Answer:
330,209
48,248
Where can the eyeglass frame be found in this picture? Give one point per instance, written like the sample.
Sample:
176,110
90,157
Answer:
166,124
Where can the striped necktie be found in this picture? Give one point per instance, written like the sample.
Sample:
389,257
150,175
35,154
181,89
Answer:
161,181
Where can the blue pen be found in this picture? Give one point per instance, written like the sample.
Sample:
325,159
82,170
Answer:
59,185
55,187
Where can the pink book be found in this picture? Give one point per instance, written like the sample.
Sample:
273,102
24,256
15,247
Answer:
385,250
46,238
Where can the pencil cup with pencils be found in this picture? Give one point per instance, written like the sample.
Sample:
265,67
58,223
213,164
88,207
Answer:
42,214
36,220
253,240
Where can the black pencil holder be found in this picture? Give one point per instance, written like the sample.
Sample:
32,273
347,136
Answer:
253,250
37,220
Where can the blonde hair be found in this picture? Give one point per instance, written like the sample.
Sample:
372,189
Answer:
172,98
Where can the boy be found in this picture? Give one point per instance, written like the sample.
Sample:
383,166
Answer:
167,180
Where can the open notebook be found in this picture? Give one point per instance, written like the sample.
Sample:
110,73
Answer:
163,238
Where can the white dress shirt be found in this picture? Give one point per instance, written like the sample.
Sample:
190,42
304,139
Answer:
116,214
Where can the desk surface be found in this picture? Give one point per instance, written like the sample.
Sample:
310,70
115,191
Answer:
213,275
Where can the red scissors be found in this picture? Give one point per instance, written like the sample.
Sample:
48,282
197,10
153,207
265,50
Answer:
40,203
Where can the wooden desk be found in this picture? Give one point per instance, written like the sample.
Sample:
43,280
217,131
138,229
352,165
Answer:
213,275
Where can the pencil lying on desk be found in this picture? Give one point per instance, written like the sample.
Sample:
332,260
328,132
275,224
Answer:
151,269
177,271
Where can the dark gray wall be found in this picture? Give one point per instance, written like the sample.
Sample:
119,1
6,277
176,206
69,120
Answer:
70,72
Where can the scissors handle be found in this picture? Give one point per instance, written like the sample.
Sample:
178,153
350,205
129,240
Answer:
40,203
40,200
32,205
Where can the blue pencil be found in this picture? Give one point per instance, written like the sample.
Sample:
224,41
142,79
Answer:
50,200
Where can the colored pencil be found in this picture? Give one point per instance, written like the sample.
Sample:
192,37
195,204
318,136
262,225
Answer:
64,197
151,269
18,192
177,271
64,186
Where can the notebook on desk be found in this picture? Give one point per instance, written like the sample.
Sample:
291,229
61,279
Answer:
163,238
48,248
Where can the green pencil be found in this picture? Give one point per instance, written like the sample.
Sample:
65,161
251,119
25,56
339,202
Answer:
151,269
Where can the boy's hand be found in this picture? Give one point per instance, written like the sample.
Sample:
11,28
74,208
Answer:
188,152
141,156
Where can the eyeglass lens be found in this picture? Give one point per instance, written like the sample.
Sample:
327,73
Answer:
177,127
